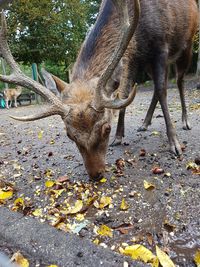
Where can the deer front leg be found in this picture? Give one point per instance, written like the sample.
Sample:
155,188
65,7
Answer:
120,128
126,85
7,106
159,74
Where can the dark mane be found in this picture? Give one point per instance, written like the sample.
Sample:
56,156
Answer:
89,46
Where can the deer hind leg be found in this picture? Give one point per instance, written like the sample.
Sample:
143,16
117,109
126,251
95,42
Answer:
159,77
150,112
182,65
15,102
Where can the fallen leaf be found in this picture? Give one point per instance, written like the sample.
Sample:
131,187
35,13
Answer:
18,204
104,230
77,207
104,202
124,205
139,252
197,258
142,153
62,179
20,260
37,212
157,170
148,186
40,134
49,183
5,194
155,133
103,180
164,259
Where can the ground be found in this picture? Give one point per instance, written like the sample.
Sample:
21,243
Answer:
43,170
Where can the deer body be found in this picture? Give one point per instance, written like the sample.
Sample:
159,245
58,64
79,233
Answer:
12,94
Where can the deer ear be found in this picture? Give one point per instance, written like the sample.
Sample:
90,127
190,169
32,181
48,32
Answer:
61,85
106,129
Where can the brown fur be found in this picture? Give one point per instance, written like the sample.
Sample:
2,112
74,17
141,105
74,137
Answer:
12,94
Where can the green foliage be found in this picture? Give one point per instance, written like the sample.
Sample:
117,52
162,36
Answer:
49,30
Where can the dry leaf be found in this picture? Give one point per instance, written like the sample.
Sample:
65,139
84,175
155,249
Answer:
20,260
77,207
5,194
157,170
164,259
40,134
37,212
49,183
104,230
124,205
104,202
139,252
197,258
148,186
103,180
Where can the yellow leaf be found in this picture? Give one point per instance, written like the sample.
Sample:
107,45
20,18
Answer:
148,186
104,230
5,194
18,203
155,133
40,134
80,217
37,212
52,266
105,201
155,262
48,173
124,205
139,252
197,258
49,183
103,180
52,142
164,259
96,241
77,207
20,260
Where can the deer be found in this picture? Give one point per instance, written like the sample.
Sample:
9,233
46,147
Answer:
87,110
160,32
163,36
12,94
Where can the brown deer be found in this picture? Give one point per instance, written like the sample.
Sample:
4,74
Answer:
87,110
164,35
12,94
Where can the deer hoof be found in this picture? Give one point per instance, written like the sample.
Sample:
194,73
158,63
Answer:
117,141
186,126
142,129
176,149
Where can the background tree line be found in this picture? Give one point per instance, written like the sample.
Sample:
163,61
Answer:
50,32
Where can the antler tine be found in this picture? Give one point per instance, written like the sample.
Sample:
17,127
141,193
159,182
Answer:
128,27
17,76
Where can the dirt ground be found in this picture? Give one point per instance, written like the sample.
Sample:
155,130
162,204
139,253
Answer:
167,214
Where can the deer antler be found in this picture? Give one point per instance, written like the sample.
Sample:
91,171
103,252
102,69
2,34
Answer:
128,27
17,77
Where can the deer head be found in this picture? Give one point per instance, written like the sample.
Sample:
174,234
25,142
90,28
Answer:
86,112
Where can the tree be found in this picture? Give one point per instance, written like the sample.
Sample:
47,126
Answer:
49,30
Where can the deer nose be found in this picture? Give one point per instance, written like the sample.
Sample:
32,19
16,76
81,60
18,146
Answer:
98,176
